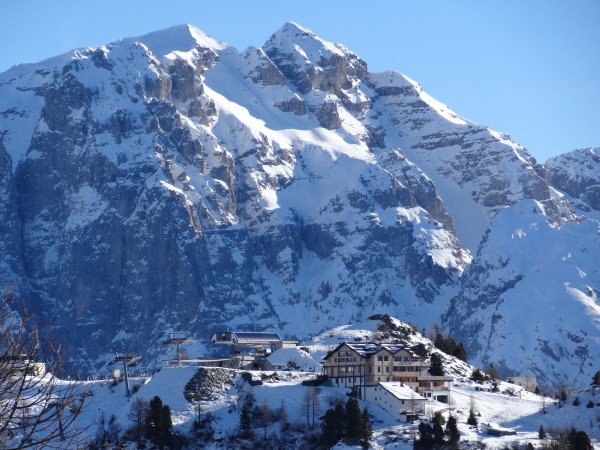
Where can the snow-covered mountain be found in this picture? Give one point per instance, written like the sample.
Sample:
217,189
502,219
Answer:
172,183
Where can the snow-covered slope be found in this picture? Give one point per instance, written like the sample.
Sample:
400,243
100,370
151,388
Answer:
510,407
172,183
529,301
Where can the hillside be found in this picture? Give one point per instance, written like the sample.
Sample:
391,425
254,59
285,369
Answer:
223,397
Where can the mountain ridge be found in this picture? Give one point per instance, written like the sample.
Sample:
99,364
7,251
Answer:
202,187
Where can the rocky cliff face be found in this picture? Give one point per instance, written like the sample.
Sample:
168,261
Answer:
577,174
171,183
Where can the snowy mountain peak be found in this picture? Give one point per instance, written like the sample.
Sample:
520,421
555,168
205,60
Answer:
310,62
293,37
179,38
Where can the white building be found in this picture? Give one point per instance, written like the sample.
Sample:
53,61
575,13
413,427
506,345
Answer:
527,382
396,398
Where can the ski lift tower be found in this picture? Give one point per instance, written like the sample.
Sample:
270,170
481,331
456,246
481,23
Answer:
128,360
178,339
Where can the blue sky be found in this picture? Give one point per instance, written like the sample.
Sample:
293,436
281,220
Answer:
528,68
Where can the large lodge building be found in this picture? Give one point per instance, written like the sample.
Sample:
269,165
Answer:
361,366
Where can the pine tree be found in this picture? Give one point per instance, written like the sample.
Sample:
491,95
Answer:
452,432
436,368
477,376
333,426
366,431
472,419
158,421
245,422
460,352
425,440
580,440
596,379
542,432
353,419
438,431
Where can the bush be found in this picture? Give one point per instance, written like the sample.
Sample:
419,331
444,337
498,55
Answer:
477,376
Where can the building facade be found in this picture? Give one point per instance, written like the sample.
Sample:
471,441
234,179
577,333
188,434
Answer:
360,365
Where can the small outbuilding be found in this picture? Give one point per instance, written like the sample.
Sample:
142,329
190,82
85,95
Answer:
398,399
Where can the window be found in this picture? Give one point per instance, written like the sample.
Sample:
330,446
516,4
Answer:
387,369
342,353
386,358
380,358
379,369
349,369
407,358
342,369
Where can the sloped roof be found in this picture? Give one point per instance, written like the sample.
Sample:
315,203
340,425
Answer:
367,349
400,391
242,337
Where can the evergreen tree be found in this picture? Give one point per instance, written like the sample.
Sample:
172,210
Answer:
436,368
580,440
245,421
425,440
353,419
542,432
444,342
158,422
452,432
472,419
460,352
438,432
477,376
596,379
366,431
333,426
